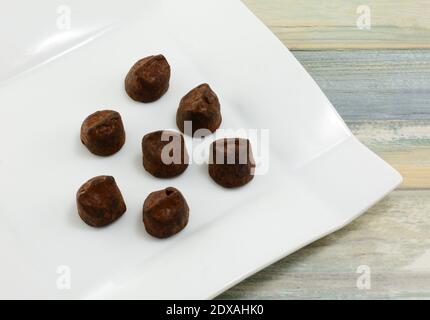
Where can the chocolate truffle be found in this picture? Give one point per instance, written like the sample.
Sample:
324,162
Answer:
200,106
103,132
100,201
231,163
148,80
164,154
165,213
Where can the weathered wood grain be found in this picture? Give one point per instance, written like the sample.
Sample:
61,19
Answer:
403,144
375,85
332,24
391,238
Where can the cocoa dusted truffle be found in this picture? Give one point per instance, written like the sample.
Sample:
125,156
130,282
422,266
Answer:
103,133
200,106
165,213
231,163
164,154
100,201
148,80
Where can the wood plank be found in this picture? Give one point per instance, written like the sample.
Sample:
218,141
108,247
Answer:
391,238
403,144
315,24
343,38
373,85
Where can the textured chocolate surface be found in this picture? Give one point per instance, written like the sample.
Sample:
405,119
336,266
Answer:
100,202
165,213
169,163
200,106
148,79
231,163
103,132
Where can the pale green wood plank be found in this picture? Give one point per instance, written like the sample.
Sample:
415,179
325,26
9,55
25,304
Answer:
391,238
403,144
331,24
342,38
373,85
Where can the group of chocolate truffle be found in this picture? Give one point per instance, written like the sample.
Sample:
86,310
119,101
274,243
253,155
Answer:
164,153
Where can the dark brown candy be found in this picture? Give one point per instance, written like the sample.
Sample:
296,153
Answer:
103,132
164,154
165,213
100,201
231,163
200,106
148,80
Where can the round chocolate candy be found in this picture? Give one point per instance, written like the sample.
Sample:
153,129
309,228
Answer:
103,133
199,109
164,154
165,213
148,79
100,201
231,163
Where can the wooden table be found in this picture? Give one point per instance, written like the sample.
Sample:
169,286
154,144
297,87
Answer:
379,81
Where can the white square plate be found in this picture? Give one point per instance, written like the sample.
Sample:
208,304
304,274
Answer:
319,176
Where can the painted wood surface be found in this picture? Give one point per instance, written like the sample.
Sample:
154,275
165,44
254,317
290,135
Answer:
384,96
370,84
332,24
403,144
